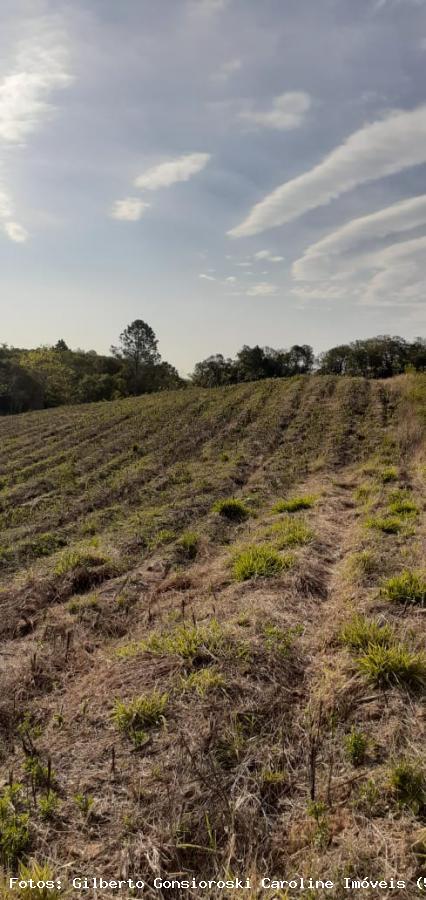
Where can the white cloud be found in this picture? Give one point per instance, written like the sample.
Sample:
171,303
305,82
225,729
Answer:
15,232
207,277
262,289
324,258
231,278
266,254
227,69
285,113
130,209
382,148
168,173
207,7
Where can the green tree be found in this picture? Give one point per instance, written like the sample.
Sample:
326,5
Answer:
138,347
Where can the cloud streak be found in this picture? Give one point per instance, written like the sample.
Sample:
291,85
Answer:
390,145
175,170
286,112
131,209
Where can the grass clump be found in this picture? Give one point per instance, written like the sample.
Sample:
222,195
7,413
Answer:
14,826
393,666
140,713
408,783
363,563
408,587
36,873
290,533
76,559
295,504
356,747
259,562
390,473
232,509
202,682
401,504
186,641
48,806
387,524
187,545
360,633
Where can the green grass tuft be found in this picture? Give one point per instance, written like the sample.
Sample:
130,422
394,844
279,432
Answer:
356,747
290,533
390,473
259,562
134,717
408,587
393,666
360,633
187,545
201,683
186,641
408,783
387,524
295,504
75,559
232,509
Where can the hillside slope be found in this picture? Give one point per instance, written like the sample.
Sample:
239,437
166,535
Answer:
189,689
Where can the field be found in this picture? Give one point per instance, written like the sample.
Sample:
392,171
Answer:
212,609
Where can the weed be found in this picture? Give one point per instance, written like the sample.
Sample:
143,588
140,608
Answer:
290,533
187,545
387,524
318,810
48,805
84,803
356,747
294,504
186,641
202,682
232,509
363,563
164,536
408,783
140,713
393,666
360,633
75,559
40,775
390,473
402,505
14,826
230,747
408,587
32,874
259,561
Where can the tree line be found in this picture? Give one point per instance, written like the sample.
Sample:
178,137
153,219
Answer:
55,375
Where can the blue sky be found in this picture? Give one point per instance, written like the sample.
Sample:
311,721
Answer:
228,170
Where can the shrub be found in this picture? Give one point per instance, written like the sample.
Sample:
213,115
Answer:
14,830
408,783
232,509
290,533
356,747
393,666
259,561
202,682
387,524
142,712
187,545
360,633
295,504
408,587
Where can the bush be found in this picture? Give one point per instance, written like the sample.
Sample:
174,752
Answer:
408,783
393,666
290,533
232,509
294,504
360,633
259,561
142,712
408,587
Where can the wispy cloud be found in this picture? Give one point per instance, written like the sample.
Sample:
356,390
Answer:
382,148
227,69
266,254
262,289
167,173
206,277
131,209
286,112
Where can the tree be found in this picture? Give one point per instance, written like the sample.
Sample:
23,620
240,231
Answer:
213,372
138,347
60,345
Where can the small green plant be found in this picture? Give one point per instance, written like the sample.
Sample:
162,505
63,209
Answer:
33,873
14,826
360,633
186,641
40,775
409,587
187,545
363,563
164,536
75,559
408,783
278,639
393,666
84,802
48,805
402,505
356,747
232,509
390,473
230,746
259,562
318,811
387,524
290,533
295,504
202,682
134,717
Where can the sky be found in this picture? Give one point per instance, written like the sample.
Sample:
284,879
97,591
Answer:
230,171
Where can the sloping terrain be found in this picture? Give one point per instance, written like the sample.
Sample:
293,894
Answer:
221,690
